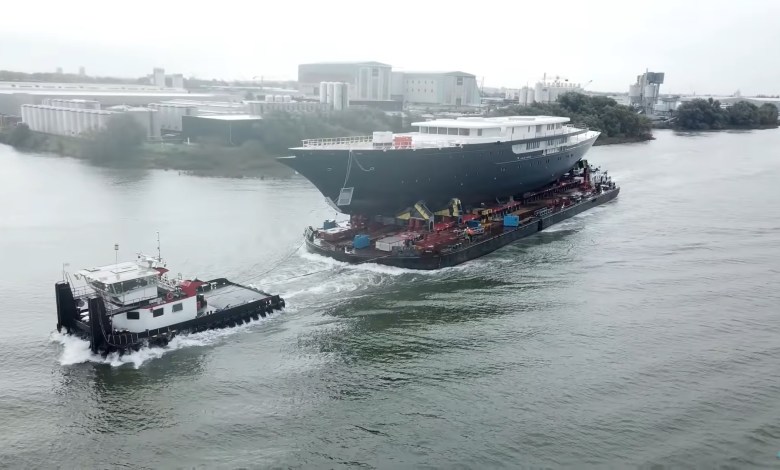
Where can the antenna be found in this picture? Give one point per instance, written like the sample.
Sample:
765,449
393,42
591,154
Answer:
116,253
159,256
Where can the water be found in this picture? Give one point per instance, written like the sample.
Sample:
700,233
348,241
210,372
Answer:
644,332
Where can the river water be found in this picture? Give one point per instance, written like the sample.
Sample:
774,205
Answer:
644,332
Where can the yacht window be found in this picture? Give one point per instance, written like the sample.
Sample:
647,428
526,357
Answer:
479,132
539,128
178,307
452,131
442,130
463,131
157,312
133,315
423,130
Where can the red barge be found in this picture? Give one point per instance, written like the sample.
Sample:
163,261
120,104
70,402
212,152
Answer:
420,239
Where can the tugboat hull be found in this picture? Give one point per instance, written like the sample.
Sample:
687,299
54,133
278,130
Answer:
95,325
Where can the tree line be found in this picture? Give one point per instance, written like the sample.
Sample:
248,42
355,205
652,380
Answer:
700,114
594,112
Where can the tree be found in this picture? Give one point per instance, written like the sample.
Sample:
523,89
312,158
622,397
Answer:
767,114
699,114
595,112
743,114
119,141
20,136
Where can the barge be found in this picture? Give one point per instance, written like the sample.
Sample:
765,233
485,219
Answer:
124,306
419,239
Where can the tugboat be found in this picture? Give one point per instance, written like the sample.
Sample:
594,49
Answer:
124,306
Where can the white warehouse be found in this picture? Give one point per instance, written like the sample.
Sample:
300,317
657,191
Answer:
170,114
438,88
71,122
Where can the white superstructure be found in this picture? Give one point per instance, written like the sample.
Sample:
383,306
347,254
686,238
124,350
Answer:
545,133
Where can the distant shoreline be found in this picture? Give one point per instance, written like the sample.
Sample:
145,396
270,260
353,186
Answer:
621,140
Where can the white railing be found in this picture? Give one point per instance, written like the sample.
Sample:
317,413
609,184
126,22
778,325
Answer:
337,141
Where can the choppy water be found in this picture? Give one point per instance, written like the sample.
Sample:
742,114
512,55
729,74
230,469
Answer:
645,332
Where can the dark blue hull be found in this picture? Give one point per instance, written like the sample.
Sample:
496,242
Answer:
388,181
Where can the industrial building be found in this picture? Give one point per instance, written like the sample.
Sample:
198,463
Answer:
171,114
11,99
71,122
438,88
211,107
227,129
261,108
549,90
368,81
158,77
80,104
645,92
148,118
335,94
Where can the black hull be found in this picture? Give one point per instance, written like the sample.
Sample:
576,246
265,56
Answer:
104,341
388,181
473,250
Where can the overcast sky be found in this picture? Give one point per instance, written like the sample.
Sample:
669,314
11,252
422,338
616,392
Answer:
710,46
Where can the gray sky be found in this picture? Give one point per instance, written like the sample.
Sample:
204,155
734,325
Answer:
710,46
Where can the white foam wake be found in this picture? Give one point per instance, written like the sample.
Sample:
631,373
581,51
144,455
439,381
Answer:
76,350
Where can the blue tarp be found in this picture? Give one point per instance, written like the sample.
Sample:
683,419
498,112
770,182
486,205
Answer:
511,221
361,241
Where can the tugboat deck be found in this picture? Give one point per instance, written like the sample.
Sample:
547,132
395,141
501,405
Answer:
230,295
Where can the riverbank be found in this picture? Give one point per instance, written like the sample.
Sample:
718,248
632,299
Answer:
672,126
248,160
622,140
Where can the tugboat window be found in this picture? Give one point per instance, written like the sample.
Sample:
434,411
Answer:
178,307
133,316
157,312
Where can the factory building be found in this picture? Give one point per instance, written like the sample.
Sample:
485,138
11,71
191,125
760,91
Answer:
12,99
368,81
211,107
644,93
71,122
171,114
177,81
158,77
261,108
64,103
335,94
148,118
226,129
439,88
549,90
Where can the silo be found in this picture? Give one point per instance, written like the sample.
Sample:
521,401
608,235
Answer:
323,92
81,122
650,92
330,92
46,115
69,125
344,95
57,121
154,124
634,93
337,96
